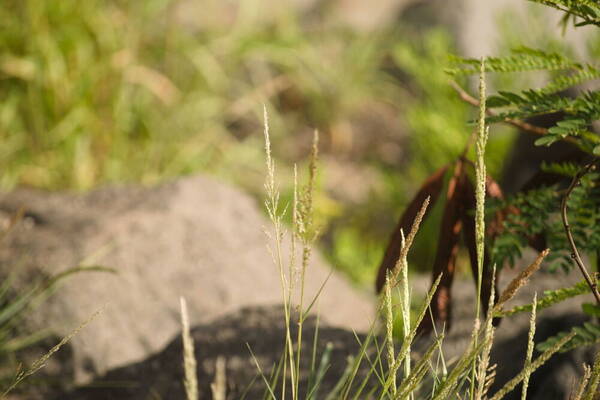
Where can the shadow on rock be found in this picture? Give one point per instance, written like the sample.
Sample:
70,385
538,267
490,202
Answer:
260,329
557,378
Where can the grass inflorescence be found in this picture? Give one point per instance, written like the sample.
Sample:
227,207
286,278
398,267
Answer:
471,375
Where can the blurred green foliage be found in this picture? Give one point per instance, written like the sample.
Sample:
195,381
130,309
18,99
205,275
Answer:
103,91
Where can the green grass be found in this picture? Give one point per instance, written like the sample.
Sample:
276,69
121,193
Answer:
93,92
106,91
379,355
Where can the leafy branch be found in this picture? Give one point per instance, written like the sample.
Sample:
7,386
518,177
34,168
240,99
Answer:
526,126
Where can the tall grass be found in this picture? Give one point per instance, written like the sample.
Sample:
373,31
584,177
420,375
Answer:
470,376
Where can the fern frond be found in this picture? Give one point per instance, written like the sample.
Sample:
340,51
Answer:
550,297
566,169
521,59
587,10
584,335
562,82
535,102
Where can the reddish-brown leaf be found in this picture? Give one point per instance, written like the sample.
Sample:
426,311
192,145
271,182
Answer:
493,189
448,244
431,188
496,225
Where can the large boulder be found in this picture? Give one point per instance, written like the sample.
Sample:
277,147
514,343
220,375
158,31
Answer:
195,238
262,330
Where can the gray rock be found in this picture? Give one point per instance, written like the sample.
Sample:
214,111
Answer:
195,238
263,329
260,329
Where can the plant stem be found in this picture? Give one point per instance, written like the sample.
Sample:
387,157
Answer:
480,173
574,252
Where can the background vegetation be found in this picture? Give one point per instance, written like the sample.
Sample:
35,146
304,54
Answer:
98,92
110,91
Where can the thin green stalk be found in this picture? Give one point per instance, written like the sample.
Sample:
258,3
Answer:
313,359
404,349
261,373
401,268
373,370
411,382
480,177
389,324
460,369
308,236
345,391
405,302
333,395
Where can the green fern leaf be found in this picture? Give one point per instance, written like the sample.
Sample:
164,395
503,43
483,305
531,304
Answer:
587,10
585,335
562,82
521,59
550,297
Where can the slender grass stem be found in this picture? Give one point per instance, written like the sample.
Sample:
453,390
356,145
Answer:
272,206
480,177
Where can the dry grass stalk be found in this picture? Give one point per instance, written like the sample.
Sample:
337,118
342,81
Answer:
480,186
408,241
400,274
529,369
430,190
41,362
480,181
578,393
190,381
411,382
405,348
307,234
520,281
483,367
272,206
462,366
530,345
591,392
219,387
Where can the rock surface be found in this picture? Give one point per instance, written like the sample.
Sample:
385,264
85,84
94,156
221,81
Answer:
262,328
195,238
